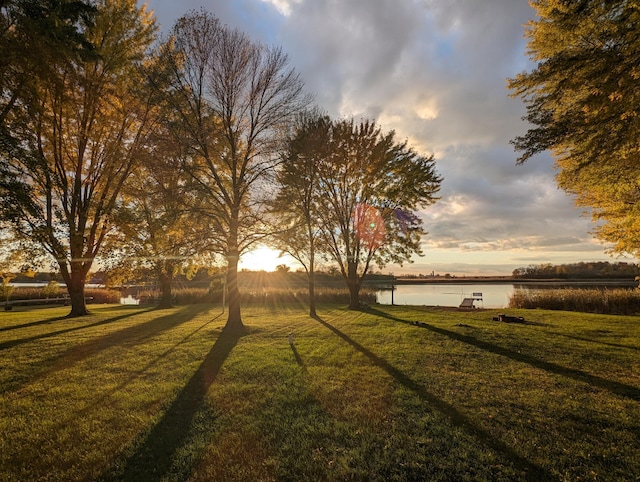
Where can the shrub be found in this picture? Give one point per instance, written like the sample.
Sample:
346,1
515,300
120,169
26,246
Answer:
51,290
102,295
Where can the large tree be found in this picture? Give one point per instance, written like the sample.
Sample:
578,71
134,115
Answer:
78,137
366,189
584,105
233,98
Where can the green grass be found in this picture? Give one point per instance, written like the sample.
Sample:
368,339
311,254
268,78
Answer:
135,394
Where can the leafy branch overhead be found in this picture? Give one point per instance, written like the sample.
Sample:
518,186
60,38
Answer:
583,104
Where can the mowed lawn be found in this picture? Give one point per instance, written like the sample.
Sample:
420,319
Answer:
136,394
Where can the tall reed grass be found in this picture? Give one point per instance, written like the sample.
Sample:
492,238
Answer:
187,296
96,295
589,300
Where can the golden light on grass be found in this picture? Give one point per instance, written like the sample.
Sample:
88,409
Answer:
130,393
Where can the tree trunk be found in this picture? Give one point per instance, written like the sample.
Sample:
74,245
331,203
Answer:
311,274
234,320
354,296
75,287
312,294
354,287
165,289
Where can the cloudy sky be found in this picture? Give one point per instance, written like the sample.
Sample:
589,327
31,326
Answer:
435,72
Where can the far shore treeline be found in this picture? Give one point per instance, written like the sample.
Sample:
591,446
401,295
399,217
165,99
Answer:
283,275
582,270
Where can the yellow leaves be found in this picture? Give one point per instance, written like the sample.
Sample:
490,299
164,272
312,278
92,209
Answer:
615,96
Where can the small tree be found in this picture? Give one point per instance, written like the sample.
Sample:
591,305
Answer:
52,289
296,206
12,260
6,289
156,231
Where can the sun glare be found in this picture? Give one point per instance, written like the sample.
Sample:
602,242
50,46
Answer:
263,259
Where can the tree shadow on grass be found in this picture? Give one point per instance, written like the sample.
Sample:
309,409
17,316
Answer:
33,323
134,334
12,343
298,357
617,388
597,342
533,471
139,373
77,353
174,446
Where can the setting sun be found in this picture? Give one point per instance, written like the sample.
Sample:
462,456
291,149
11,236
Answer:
264,259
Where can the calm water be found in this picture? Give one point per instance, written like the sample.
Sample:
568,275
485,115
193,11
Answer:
494,295
448,294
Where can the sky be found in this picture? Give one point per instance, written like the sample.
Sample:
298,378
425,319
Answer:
435,72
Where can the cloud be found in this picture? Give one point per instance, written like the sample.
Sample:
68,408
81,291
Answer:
435,72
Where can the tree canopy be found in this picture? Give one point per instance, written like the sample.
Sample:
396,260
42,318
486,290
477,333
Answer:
34,36
360,190
76,134
232,98
584,105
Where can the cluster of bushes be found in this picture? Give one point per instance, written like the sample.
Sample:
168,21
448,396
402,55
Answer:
617,301
180,296
102,295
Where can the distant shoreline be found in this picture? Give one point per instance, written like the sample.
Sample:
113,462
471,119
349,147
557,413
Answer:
512,280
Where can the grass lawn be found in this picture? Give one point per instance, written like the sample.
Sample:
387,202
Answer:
135,394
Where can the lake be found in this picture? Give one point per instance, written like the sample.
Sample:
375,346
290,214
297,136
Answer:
447,294
494,295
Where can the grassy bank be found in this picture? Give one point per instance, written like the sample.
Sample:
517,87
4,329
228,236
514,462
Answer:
135,394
